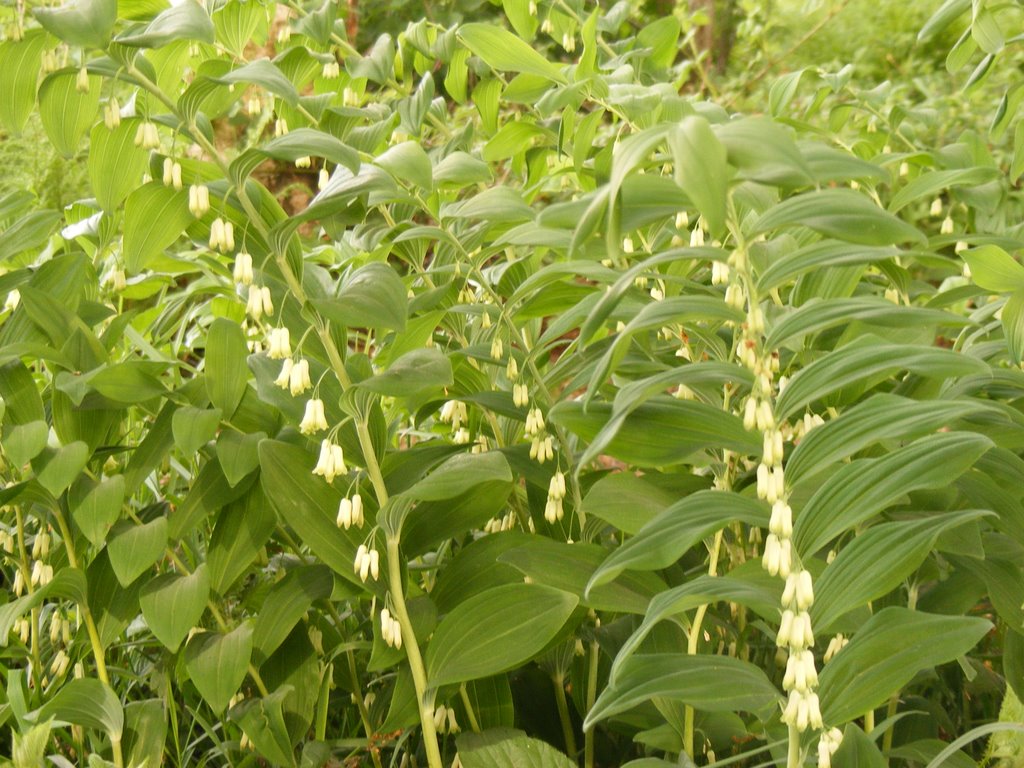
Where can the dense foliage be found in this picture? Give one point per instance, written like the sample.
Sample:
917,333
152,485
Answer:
514,392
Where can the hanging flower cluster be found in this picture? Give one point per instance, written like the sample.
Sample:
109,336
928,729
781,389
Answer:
795,635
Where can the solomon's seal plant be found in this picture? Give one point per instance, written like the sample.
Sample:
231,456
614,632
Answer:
492,397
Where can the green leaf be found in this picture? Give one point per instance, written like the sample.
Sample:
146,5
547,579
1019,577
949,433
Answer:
172,605
154,217
193,427
504,51
857,750
226,370
676,529
413,373
861,362
460,170
63,467
307,142
662,37
661,432
818,315
238,23
87,702
1013,326
186,21
145,732
994,269
242,528
265,73
408,161
569,567
841,214
286,604
217,663
947,13
703,590
700,167
491,699
23,442
928,184
709,683
886,653
68,584
134,549
889,552
209,492
373,296
764,151
507,748
66,112
309,505
263,722
882,417
985,29
495,631
462,473
100,509
860,490
83,23
238,454
115,164
19,74
628,501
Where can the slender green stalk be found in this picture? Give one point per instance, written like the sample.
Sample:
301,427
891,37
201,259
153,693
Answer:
424,696
793,755
474,724
90,625
364,713
692,643
588,737
563,716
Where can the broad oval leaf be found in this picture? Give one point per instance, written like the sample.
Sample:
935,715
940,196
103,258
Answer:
495,631
460,474
881,417
860,362
994,269
860,490
19,73
709,683
185,21
172,604
885,654
661,432
226,371
372,297
134,549
87,702
308,505
669,535
85,23
67,112
115,163
217,663
154,217
507,748
841,214
503,50
876,562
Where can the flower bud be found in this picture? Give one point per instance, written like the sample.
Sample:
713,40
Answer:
313,420
298,380
243,270
284,377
